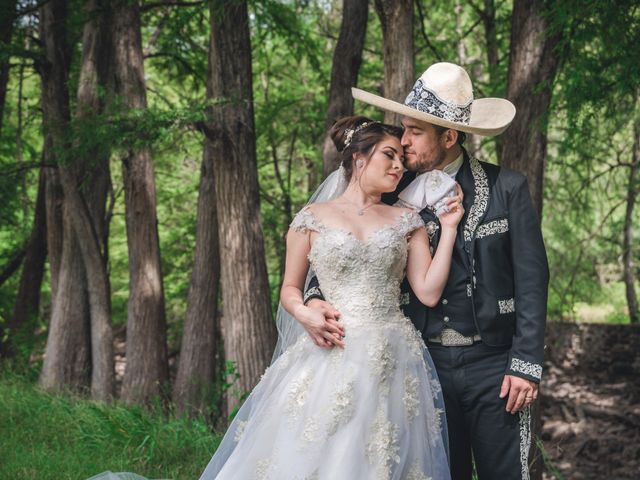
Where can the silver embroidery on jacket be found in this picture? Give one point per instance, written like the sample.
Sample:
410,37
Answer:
311,292
480,201
493,227
507,306
404,299
525,440
527,368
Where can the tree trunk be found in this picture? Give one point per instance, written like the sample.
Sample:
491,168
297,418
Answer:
53,211
7,17
248,327
347,58
533,63
488,16
85,182
627,254
146,372
21,325
199,363
396,18
67,358
67,361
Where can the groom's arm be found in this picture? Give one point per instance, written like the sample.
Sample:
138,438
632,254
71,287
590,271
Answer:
531,279
313,290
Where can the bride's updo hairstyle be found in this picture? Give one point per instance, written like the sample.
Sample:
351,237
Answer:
359,135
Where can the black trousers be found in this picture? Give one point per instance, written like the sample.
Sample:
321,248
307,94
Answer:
478,424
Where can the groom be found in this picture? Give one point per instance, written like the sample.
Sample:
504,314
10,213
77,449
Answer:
486,335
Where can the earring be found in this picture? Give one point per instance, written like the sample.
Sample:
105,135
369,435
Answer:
359,163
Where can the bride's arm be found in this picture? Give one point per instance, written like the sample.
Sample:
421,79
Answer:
428,276
322,332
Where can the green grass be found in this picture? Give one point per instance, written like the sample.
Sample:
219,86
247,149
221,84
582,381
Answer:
44,436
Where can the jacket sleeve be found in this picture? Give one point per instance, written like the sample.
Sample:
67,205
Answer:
531,281
313,290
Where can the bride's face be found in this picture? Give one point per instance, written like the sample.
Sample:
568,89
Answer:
384,169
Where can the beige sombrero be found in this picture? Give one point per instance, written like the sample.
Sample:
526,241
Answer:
443,96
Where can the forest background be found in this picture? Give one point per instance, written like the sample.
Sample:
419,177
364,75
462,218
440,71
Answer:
153,154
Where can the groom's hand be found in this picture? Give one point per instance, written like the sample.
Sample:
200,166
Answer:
331,316
521,392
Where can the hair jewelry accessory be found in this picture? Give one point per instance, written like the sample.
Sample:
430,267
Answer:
350,132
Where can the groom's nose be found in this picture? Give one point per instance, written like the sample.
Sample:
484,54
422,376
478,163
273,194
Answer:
405,140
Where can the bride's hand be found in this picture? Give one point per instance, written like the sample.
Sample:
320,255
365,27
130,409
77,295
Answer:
455,212
324,334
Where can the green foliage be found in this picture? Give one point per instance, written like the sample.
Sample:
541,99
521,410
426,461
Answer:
293,41
49,436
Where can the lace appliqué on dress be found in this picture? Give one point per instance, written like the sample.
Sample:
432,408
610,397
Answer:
416,473
382,449
305,221
411,399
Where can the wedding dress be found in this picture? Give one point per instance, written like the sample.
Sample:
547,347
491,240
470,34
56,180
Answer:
373,410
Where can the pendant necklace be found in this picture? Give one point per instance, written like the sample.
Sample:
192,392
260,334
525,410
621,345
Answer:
359,211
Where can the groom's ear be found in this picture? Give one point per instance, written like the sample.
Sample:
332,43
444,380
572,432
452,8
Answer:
449,137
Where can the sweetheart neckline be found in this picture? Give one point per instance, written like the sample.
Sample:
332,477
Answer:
368,238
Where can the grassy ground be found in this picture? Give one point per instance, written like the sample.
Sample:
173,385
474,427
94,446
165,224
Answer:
45,436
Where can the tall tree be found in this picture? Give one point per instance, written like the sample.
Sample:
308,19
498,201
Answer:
396,18
533,63
67,352
347,58
85,180
27,303
7,17
627,246
146,372
200,356
249,330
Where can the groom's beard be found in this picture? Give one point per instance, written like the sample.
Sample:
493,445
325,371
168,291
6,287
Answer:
427,161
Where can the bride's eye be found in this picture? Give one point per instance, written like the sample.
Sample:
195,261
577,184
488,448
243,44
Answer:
389,154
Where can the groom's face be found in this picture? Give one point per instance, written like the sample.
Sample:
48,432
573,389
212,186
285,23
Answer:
424,149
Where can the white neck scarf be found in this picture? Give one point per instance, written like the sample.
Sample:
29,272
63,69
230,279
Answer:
432,188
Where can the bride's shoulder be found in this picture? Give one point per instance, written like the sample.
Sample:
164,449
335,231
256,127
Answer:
307,219
408,218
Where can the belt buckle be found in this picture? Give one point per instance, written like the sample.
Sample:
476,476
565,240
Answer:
453,338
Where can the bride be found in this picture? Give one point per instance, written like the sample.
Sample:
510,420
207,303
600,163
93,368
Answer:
358,397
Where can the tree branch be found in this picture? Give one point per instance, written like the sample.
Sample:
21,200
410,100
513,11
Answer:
168,3
424,32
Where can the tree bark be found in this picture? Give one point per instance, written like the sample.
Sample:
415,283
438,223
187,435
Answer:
67,361
347,58
248,327
200,355
627,253
533,63
488,17
85,181
146,372
396,18
25,310
7,17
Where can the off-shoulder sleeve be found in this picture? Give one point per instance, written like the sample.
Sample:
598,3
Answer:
411,221
305,221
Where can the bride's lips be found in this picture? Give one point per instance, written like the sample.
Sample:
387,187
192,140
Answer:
394,175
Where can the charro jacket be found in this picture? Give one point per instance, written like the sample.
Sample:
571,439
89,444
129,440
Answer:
499,276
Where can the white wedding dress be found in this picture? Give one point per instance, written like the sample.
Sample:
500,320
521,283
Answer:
372,410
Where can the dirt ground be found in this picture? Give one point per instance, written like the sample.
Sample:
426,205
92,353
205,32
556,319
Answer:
591,402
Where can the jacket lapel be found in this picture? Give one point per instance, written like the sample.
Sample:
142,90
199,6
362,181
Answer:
475,185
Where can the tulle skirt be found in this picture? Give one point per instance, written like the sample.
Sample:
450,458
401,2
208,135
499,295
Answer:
373,410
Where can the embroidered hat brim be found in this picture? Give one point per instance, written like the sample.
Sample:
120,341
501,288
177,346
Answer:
489,116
